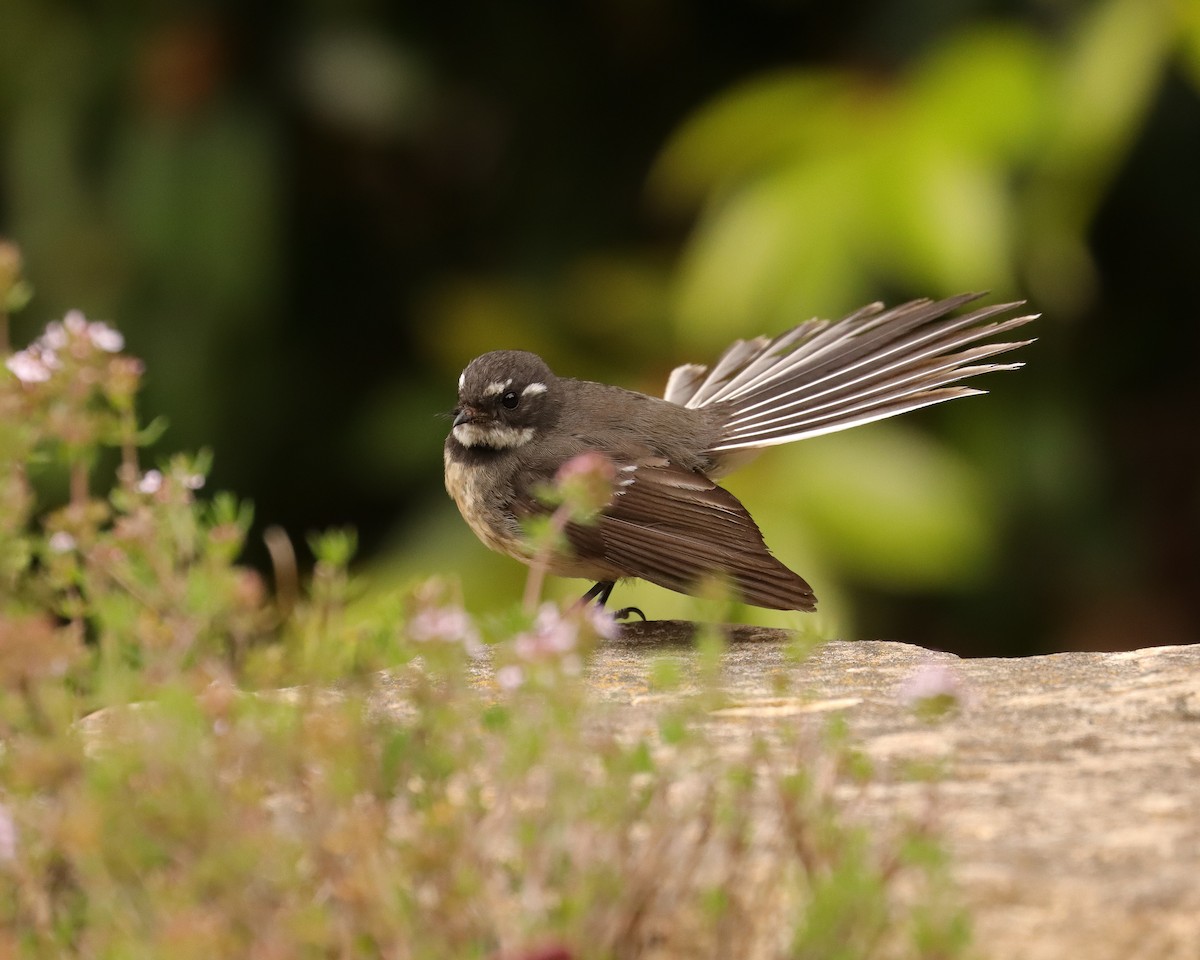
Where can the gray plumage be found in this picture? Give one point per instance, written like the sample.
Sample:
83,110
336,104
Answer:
668,521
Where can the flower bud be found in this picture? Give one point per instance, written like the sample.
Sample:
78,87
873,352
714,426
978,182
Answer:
585,482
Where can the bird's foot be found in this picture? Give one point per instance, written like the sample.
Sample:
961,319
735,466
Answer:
600,593
625,612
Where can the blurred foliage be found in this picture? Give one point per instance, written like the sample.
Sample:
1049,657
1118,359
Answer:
193,766
309,220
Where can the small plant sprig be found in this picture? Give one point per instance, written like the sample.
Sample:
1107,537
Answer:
79,391
582,488
145,570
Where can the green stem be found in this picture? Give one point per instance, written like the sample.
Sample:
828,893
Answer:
79,483
129,455
541,559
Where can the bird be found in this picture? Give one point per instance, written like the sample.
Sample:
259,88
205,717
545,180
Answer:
668,521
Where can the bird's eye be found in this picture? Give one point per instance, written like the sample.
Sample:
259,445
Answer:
510,399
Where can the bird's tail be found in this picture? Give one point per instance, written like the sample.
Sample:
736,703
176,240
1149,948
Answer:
824,376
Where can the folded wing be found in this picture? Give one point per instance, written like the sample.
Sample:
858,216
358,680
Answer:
676,528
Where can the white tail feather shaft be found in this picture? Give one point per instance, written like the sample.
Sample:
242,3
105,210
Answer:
824,376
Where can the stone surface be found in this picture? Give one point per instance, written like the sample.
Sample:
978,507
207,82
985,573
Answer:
1070,786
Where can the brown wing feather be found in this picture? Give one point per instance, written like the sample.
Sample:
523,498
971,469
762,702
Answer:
674,527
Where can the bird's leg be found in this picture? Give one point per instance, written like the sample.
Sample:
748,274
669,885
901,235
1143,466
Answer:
600,593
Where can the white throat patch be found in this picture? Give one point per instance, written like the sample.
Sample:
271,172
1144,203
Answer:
495,435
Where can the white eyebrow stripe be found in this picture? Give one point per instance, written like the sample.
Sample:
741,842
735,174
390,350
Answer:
534,388
462,380
498,387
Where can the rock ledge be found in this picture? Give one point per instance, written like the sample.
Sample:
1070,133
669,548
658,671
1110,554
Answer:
1071,787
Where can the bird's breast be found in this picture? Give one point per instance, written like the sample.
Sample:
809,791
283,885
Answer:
482,505
482,498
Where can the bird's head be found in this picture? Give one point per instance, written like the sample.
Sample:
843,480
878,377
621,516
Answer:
504,398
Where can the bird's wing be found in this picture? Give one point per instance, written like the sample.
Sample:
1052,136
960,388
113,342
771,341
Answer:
675,528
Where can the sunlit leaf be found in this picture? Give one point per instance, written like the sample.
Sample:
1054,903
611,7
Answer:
772,254
785,114
983,91
1189,22
945,220
1108,75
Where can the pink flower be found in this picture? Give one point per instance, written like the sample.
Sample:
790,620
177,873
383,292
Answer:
931,685
510,677
447,624
29,366
551,635
585,482
590,463
39,360
556,634
151,482
8,835
601,622
75,322
105,337
55,336
61,542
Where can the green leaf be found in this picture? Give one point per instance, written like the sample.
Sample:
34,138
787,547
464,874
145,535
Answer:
766,120
944,218
152,432
984,92
334,547
773,253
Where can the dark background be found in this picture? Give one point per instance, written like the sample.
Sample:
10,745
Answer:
308,217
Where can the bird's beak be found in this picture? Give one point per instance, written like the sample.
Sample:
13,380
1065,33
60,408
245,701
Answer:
467,414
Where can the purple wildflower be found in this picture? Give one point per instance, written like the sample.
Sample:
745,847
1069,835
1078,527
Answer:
446,624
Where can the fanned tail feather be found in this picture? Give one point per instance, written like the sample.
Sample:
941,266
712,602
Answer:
824,376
